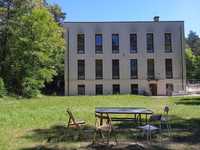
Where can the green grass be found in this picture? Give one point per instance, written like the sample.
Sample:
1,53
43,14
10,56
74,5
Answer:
21,119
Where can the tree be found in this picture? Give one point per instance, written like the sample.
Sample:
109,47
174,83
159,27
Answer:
189,57
193,56
193,42
35,46
57,84
9,10
2,88
57,13
197,68
192,65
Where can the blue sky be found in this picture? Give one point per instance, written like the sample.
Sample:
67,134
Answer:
133,10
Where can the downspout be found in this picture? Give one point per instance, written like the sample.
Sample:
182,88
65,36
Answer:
68,62
181,38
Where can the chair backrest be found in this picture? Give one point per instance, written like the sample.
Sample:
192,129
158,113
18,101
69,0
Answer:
70,115
109,122
166,110
155,118
104,117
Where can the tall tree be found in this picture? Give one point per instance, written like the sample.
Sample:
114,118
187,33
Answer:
192,65
9,10
57,84
193,42
57,13
35,43
190,59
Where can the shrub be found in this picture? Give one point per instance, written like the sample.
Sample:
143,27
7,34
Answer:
31,87
3,91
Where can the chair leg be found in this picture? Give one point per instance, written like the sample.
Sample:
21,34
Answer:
147,133
168,128
79,134
160,133
160,128
68,124
101,133
136,136
114,135
94,138
108,138
143,133
150,136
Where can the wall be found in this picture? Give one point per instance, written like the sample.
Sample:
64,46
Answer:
124,29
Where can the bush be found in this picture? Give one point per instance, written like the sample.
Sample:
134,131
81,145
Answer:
3,91
31,88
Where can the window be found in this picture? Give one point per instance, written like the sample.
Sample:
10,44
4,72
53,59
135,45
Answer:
150,43
116,89
98,44
80,43
134,89
168,42
168,68
99,89
115,69
99,69
133,43
81,89
115,43
81,69
150,69
134,68
169,89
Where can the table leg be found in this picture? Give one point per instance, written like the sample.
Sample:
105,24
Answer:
146,118
101,119
135,117
140,119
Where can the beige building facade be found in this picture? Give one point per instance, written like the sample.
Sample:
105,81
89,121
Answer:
132,58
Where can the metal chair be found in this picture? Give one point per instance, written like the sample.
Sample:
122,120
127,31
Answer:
107,128
149,128
165,119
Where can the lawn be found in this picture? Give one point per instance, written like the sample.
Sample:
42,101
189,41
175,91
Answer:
27,124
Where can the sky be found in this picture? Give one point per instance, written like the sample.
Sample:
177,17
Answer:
133,10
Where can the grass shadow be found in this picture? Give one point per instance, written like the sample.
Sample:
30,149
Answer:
129,146
189,101
60,133
191,134
42,147
184,131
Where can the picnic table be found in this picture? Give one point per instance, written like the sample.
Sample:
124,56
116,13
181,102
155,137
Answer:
136,111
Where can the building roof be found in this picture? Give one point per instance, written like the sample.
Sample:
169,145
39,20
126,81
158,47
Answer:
122,21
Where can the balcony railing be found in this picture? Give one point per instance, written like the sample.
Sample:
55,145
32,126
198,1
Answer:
151,77
115,77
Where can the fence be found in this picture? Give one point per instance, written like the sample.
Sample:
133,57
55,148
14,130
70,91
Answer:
193,86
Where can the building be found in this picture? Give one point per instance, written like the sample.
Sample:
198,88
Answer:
142,57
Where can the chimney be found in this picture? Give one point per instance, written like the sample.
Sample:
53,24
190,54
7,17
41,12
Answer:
156,19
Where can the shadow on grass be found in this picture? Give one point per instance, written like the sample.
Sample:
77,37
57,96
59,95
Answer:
184,131
42,147
189,101
116,147
60,133
92,147
191,134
